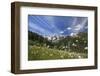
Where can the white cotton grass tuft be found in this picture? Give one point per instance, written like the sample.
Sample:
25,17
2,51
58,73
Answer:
79,57
76,40
73,44
85,48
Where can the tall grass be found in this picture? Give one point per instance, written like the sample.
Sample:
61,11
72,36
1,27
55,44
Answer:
44,53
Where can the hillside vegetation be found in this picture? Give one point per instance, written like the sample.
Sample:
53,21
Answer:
40,48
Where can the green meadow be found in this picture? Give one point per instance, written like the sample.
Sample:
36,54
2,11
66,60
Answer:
40,48
44,53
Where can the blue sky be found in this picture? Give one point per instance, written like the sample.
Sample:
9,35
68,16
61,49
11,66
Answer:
57,25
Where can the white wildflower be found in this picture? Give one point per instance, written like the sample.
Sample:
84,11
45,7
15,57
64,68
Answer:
79,57
73,44
85,48
76,40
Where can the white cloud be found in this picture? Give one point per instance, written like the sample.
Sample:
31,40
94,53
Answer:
69,28
37,28
51,21
61,32
74,21
78,27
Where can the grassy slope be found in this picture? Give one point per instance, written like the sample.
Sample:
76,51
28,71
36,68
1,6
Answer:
44,53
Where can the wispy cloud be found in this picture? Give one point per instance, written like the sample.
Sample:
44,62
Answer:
61,32
56,25
69,28
51,20
80,26
35,28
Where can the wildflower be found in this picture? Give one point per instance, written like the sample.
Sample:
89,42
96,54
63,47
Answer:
74,44
76,40
79,57
48,46
85,48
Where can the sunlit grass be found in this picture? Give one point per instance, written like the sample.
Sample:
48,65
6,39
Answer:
44,53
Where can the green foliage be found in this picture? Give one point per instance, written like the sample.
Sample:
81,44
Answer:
69,47
44,53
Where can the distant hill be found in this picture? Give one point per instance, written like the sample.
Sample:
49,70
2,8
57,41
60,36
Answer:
35,39
75,43
34,36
